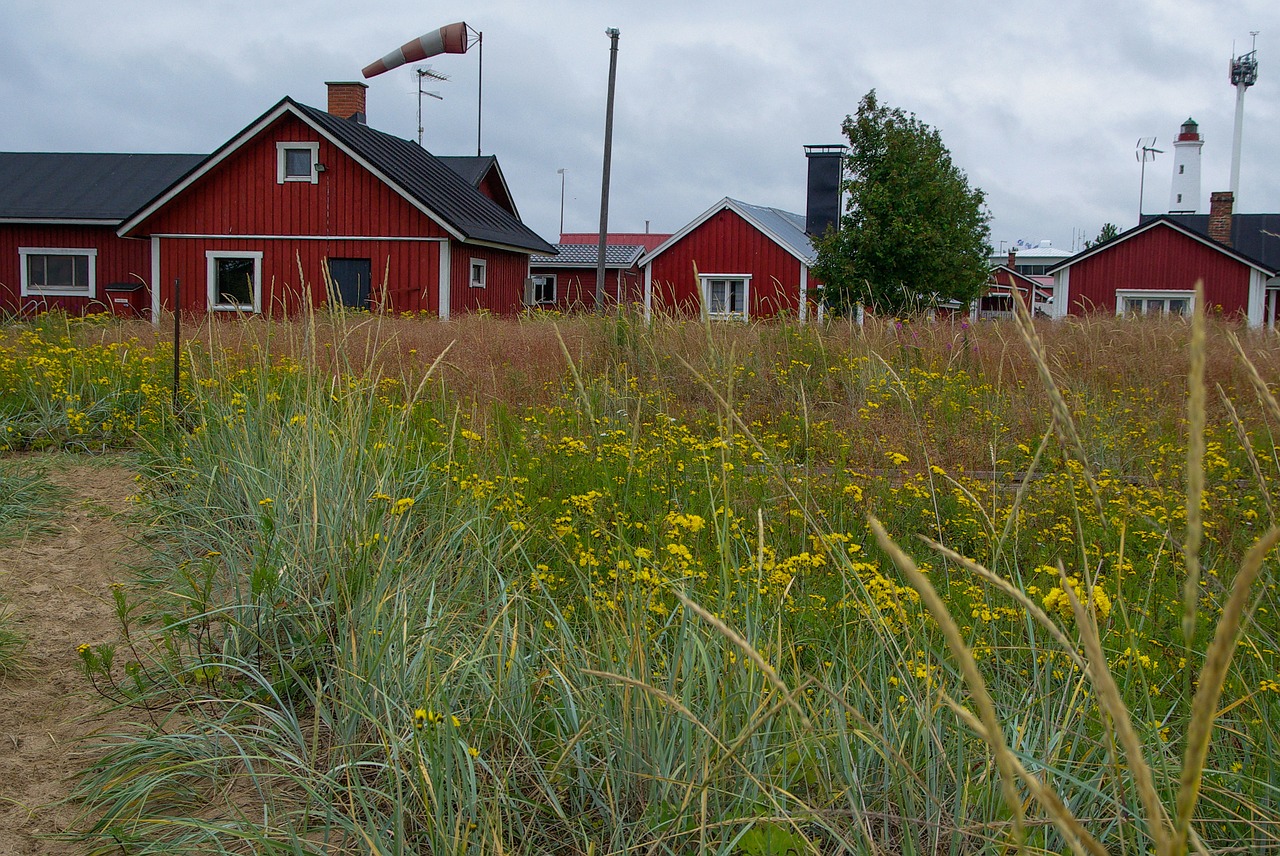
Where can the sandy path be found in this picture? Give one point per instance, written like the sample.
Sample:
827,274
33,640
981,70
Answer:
59,587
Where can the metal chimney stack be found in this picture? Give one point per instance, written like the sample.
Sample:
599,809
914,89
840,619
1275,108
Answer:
822,206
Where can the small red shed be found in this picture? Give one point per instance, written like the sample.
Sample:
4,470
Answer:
567,280
733,261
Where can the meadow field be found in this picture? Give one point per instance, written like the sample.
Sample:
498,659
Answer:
584,585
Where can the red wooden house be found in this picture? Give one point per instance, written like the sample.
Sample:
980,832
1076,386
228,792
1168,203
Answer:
1002,283
733,261
58,218
304,205
567,280
1153,269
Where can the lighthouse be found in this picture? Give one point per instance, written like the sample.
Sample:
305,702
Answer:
1184,195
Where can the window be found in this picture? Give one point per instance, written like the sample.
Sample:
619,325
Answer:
58,272
235,280
477,273
297,162
725,297
1153,302
544,289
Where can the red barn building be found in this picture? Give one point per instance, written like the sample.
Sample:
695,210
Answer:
1153,269
58,218
304,206
733,261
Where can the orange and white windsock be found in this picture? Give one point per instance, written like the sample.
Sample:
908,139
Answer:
450,39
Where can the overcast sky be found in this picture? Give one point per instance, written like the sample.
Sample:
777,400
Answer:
1041,103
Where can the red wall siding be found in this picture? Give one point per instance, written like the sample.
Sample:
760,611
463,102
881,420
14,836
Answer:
240,196
726,244
491,187
504,284
119,260
405,273
1160,259
576,286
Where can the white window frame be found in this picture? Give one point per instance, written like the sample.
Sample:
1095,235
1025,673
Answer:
282,150
547,278
744,278
90,289
484,273
1123,295
211,275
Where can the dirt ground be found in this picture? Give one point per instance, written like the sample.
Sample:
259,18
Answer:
58,586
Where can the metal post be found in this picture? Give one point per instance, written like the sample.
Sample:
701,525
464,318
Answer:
612,33
479,88
561,171
177,344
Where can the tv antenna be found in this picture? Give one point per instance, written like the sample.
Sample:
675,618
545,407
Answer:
427,73
1145,151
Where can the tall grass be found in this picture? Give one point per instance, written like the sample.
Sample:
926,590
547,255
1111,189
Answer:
582,586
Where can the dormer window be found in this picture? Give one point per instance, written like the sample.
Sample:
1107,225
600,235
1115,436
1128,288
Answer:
297,162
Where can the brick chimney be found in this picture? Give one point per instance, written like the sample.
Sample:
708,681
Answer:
1220,204
1013,258
346,99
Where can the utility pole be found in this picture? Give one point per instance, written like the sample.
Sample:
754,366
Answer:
612,33
562,172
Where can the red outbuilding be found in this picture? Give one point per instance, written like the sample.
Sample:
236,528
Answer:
733,261
567,280
1153,269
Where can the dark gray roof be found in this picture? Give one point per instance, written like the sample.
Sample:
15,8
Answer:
75,186
428,180
1248,233
470,168
588,255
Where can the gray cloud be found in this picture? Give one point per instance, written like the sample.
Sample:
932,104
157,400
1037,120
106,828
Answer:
1040,104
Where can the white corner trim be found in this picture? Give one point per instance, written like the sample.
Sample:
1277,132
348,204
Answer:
446,255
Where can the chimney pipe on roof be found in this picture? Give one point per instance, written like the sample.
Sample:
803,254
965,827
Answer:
822,206
1221,203
1013,258
346,99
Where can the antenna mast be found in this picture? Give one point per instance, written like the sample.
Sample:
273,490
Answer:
427,73
1244,73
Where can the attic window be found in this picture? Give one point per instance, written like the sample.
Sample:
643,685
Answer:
58,272
478,273
297,162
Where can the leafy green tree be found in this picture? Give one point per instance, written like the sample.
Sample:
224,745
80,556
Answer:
1109,231
914,234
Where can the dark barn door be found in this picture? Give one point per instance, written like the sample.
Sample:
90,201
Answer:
351,278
